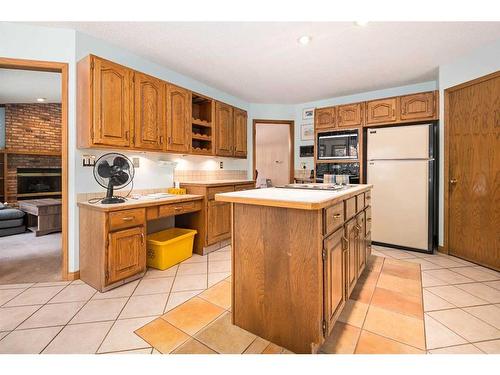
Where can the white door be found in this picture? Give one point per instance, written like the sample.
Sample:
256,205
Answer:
400,202
272,153
402,142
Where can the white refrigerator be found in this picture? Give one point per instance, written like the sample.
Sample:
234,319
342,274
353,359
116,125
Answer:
401,167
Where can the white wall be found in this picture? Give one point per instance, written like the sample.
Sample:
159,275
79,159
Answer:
476,64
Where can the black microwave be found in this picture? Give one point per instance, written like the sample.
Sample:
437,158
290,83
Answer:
342,144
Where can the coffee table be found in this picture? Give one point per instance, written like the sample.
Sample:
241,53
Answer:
44,215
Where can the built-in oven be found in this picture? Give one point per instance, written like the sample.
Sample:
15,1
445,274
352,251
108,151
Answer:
342,144
349,169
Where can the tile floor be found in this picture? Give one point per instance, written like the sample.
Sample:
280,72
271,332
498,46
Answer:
186,310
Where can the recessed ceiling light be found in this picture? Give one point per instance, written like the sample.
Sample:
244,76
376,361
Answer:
361,23
40,100
304,40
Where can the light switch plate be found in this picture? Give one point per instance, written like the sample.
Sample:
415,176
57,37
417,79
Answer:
221,165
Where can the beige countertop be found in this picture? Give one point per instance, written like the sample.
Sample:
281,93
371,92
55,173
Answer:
216,182
141,202
292,198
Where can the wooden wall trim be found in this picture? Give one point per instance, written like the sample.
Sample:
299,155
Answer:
57,67
291,125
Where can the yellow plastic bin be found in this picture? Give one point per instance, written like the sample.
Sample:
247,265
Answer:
169,247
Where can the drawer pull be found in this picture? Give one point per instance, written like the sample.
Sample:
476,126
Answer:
177,208
337,216
129,218
369,219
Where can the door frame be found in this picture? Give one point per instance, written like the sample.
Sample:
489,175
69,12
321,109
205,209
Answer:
291,143
446,185
56,67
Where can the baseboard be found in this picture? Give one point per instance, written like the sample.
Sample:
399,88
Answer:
73,276
442,249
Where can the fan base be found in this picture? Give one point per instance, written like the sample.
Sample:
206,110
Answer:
113,200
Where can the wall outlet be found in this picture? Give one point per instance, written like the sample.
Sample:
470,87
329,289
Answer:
221,165
136,162
88,160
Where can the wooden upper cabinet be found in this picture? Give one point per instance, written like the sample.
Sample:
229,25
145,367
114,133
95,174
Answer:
178,116
240,132
111,103
149,129
324,118
224,129
417,106
350,115
381,111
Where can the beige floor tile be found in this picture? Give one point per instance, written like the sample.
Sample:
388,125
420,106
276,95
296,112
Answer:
456,296
449,276
16,286
438,335
193,315
74,293
490,347
257,346
77,282
466,325
219,294
134,351
489,314
192,269
29,341
55,314
443,261
100,310
370,343
193,346
398,302
272,349
11,317
482,291
402,269
176,298
342,339
397,254
400,285
493,284
477,273
354,313
215,277
225,338
189,282
79,338
429,281
224,249
34,296
424,264
122,336
120,292
7,294
139,306
154,286
459,349
196,259
3,334
433,302
51,283
219,266
161,335
403,328
219,256
154,273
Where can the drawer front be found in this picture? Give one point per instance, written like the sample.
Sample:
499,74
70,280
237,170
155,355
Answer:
334,217
368,220
360,202
211,191
179,208
368,198
244,187
350,207
127,218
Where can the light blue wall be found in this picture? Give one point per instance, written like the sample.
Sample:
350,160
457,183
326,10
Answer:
2,127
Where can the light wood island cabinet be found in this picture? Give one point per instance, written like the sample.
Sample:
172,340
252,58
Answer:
297,255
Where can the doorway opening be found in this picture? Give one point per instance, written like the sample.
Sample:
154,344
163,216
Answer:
33,171
273,152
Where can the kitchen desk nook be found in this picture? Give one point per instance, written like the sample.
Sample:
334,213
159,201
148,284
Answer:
297,253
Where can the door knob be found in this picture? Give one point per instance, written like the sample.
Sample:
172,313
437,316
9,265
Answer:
453,181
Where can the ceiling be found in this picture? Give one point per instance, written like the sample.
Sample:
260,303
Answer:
263,63
25,86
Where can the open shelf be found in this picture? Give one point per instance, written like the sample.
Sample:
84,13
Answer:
201,124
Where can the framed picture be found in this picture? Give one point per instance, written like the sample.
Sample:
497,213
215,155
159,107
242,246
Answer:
308,114
307,132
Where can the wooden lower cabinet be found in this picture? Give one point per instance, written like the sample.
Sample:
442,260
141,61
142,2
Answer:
351,234
334,258
219,221
126,254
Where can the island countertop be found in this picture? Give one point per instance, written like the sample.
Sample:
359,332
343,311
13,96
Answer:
306,199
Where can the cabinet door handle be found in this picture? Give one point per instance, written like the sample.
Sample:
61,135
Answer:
369,219
453,181
142,238
337,216
161,139
128,218
177,208
127,135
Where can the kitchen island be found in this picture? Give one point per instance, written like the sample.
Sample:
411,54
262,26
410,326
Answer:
296,254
